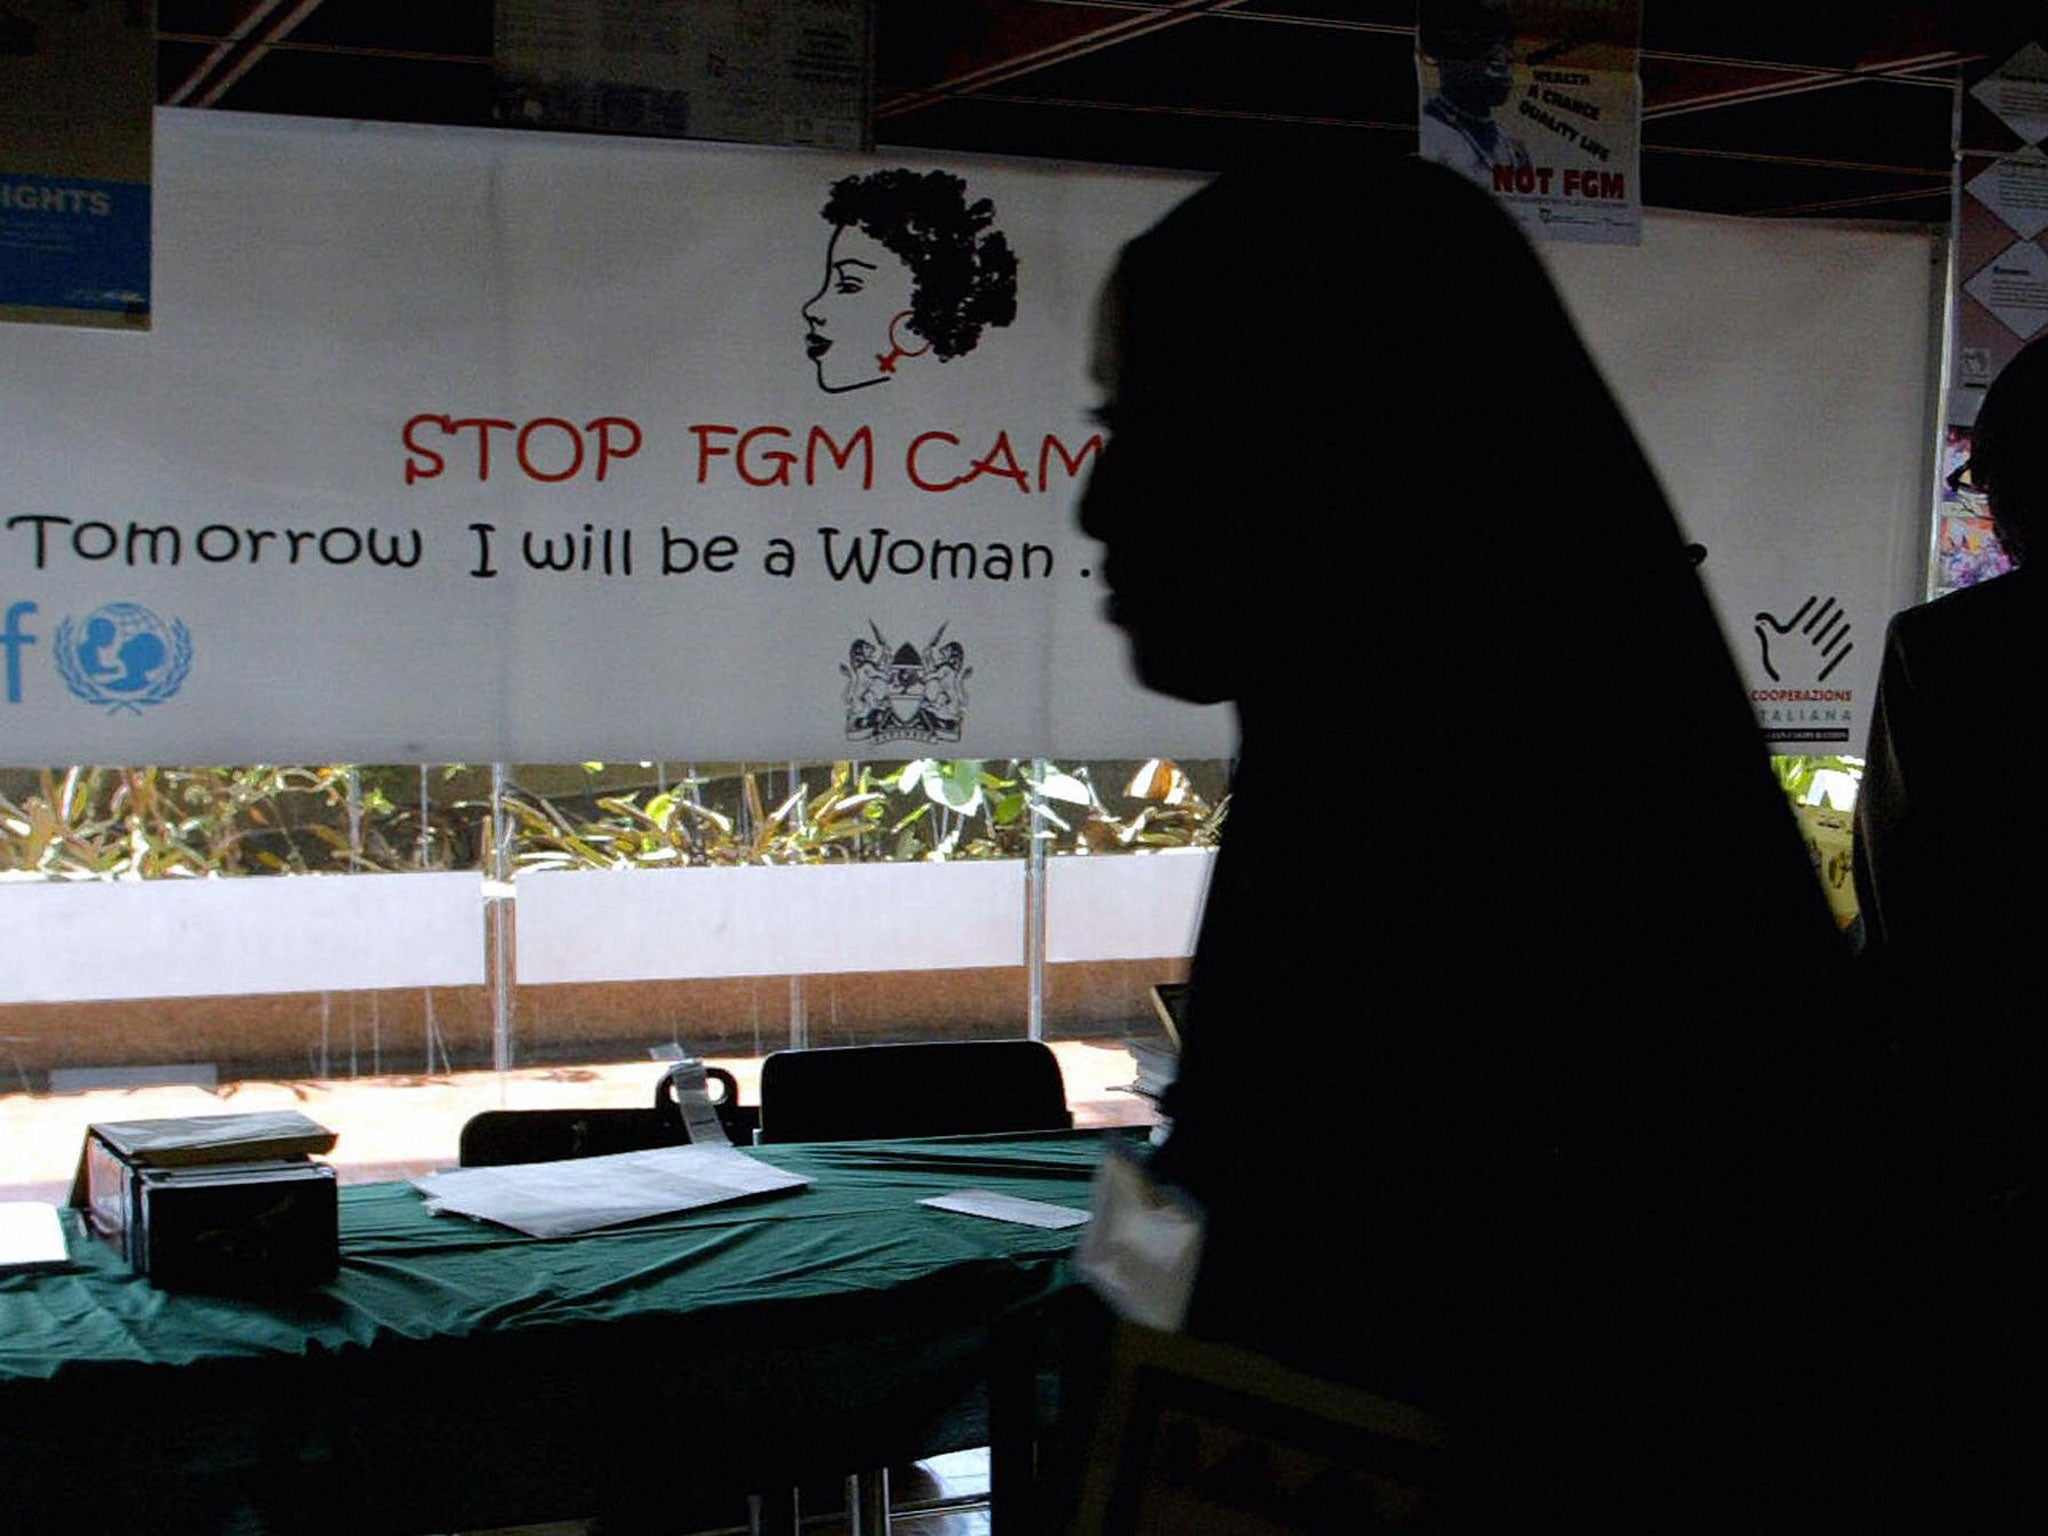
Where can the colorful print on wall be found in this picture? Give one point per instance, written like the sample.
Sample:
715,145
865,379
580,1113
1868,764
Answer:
77,110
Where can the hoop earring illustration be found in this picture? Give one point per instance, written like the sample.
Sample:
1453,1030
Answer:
887,361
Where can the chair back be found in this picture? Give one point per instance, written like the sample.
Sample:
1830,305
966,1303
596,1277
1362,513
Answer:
927,1088
496,1137
1195,1436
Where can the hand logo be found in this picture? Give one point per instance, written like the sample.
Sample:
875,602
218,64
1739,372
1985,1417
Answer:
1821,622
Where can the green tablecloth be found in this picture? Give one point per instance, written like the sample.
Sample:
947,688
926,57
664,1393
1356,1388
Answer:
457,1373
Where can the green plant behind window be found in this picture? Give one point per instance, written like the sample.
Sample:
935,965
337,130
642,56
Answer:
129,823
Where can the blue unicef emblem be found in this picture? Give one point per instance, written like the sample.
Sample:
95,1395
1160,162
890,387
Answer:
123,656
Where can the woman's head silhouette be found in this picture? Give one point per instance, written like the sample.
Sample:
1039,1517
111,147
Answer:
2007,462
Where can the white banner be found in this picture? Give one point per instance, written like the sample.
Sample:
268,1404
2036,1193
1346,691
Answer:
487,446
1779,377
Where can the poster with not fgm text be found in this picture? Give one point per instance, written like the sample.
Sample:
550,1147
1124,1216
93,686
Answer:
1540,103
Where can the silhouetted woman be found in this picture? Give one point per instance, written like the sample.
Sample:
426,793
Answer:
1503,1062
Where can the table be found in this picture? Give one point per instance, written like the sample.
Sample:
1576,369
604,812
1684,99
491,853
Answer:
457,1375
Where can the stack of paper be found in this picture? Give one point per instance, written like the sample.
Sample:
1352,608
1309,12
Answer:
585,1193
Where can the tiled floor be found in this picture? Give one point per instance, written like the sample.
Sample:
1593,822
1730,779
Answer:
958,1477
945,1496
958,1482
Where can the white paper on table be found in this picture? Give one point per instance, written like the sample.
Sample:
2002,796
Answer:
582,1194
31,1236
985,1202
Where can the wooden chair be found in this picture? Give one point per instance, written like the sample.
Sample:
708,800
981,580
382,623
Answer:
1195,1436
494,1137
929,1088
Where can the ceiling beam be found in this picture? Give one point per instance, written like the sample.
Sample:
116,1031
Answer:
1935,177
1086,35
253,49
1911,71
1227,114
1270,18
341,50
1845,204
253,16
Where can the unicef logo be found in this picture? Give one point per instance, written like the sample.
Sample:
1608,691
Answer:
123,656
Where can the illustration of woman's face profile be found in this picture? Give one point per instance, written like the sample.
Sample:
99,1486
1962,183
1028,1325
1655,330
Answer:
912,268
856,326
